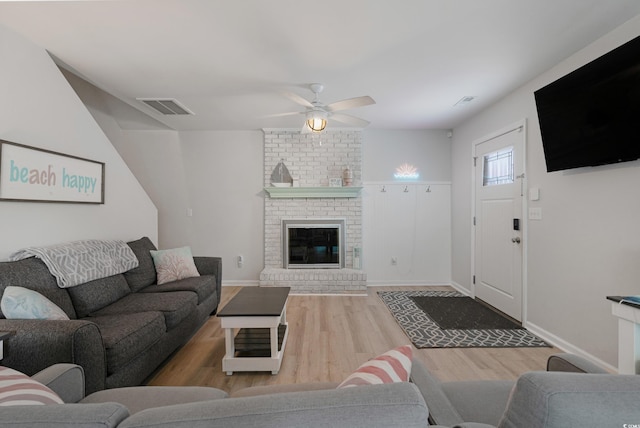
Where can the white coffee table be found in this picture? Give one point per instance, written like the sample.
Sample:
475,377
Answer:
259,315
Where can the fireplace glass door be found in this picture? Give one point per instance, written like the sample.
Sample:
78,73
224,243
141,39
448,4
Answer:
313,245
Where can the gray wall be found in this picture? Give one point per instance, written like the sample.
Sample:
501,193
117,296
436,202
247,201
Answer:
384,150
586,246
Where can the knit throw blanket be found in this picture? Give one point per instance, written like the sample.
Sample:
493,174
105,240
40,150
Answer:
77,262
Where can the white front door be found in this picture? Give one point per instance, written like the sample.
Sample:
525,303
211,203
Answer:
499,189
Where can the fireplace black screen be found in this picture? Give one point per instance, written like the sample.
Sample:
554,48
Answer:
317,246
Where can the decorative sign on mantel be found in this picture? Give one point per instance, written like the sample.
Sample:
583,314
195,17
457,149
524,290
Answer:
28,174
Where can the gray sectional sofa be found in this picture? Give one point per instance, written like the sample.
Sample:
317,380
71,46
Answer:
121,328
585,396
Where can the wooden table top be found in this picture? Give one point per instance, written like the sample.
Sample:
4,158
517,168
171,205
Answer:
256,301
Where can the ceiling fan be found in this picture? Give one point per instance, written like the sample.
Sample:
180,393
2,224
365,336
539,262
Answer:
317,113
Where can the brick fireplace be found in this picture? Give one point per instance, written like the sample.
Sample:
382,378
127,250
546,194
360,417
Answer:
312,160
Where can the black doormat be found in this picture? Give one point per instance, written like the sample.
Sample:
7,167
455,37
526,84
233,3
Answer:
461,313
424,332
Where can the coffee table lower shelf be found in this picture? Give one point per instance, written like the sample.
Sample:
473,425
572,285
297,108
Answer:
253,351
256,342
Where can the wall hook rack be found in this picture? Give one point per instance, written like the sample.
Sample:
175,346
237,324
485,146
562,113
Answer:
428,189
406,189
384,189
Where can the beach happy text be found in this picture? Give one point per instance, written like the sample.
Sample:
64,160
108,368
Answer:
49,177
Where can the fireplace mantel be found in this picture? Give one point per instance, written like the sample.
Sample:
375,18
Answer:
313,192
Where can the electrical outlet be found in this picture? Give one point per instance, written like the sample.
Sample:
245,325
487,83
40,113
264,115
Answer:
394,261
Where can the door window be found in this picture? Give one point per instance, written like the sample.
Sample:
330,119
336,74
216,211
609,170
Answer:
498,167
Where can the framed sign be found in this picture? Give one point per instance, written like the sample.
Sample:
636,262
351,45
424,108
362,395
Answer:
28,174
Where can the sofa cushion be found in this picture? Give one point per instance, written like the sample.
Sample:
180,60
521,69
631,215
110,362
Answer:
481,401
94,295
19,389
174,264
441,411
32,273
174,305
145,274
125,336
22,303
204,286
392,366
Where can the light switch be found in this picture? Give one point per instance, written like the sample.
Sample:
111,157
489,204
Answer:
535,213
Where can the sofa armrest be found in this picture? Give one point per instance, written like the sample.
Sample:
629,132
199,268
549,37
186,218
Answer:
211,266
106,415
37,344
66,380
572,363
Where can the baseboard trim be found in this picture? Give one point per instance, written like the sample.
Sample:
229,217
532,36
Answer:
240,282
401,283
460,289
567,347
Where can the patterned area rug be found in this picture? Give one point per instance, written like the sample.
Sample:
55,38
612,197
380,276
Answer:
426,333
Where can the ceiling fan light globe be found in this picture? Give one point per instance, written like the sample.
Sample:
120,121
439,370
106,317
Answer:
316,124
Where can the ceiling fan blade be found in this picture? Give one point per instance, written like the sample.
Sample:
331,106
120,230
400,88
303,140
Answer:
350,103
291,113
298,99
350,120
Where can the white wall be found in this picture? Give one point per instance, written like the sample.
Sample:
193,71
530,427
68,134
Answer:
407,233
586,246
38,108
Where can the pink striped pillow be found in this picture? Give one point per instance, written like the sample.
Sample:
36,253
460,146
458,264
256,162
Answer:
17,389
392,366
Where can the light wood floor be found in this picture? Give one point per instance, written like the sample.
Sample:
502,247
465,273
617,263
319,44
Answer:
329,337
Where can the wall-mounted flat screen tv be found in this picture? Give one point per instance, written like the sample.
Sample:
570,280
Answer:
591,116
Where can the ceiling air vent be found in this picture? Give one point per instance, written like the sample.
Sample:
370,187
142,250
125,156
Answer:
464,100
166,106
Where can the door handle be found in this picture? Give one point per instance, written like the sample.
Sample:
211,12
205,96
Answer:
515,240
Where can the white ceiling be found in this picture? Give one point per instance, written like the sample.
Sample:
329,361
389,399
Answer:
230,60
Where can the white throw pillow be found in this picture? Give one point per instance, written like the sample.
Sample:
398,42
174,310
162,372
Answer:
24,304
174,264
